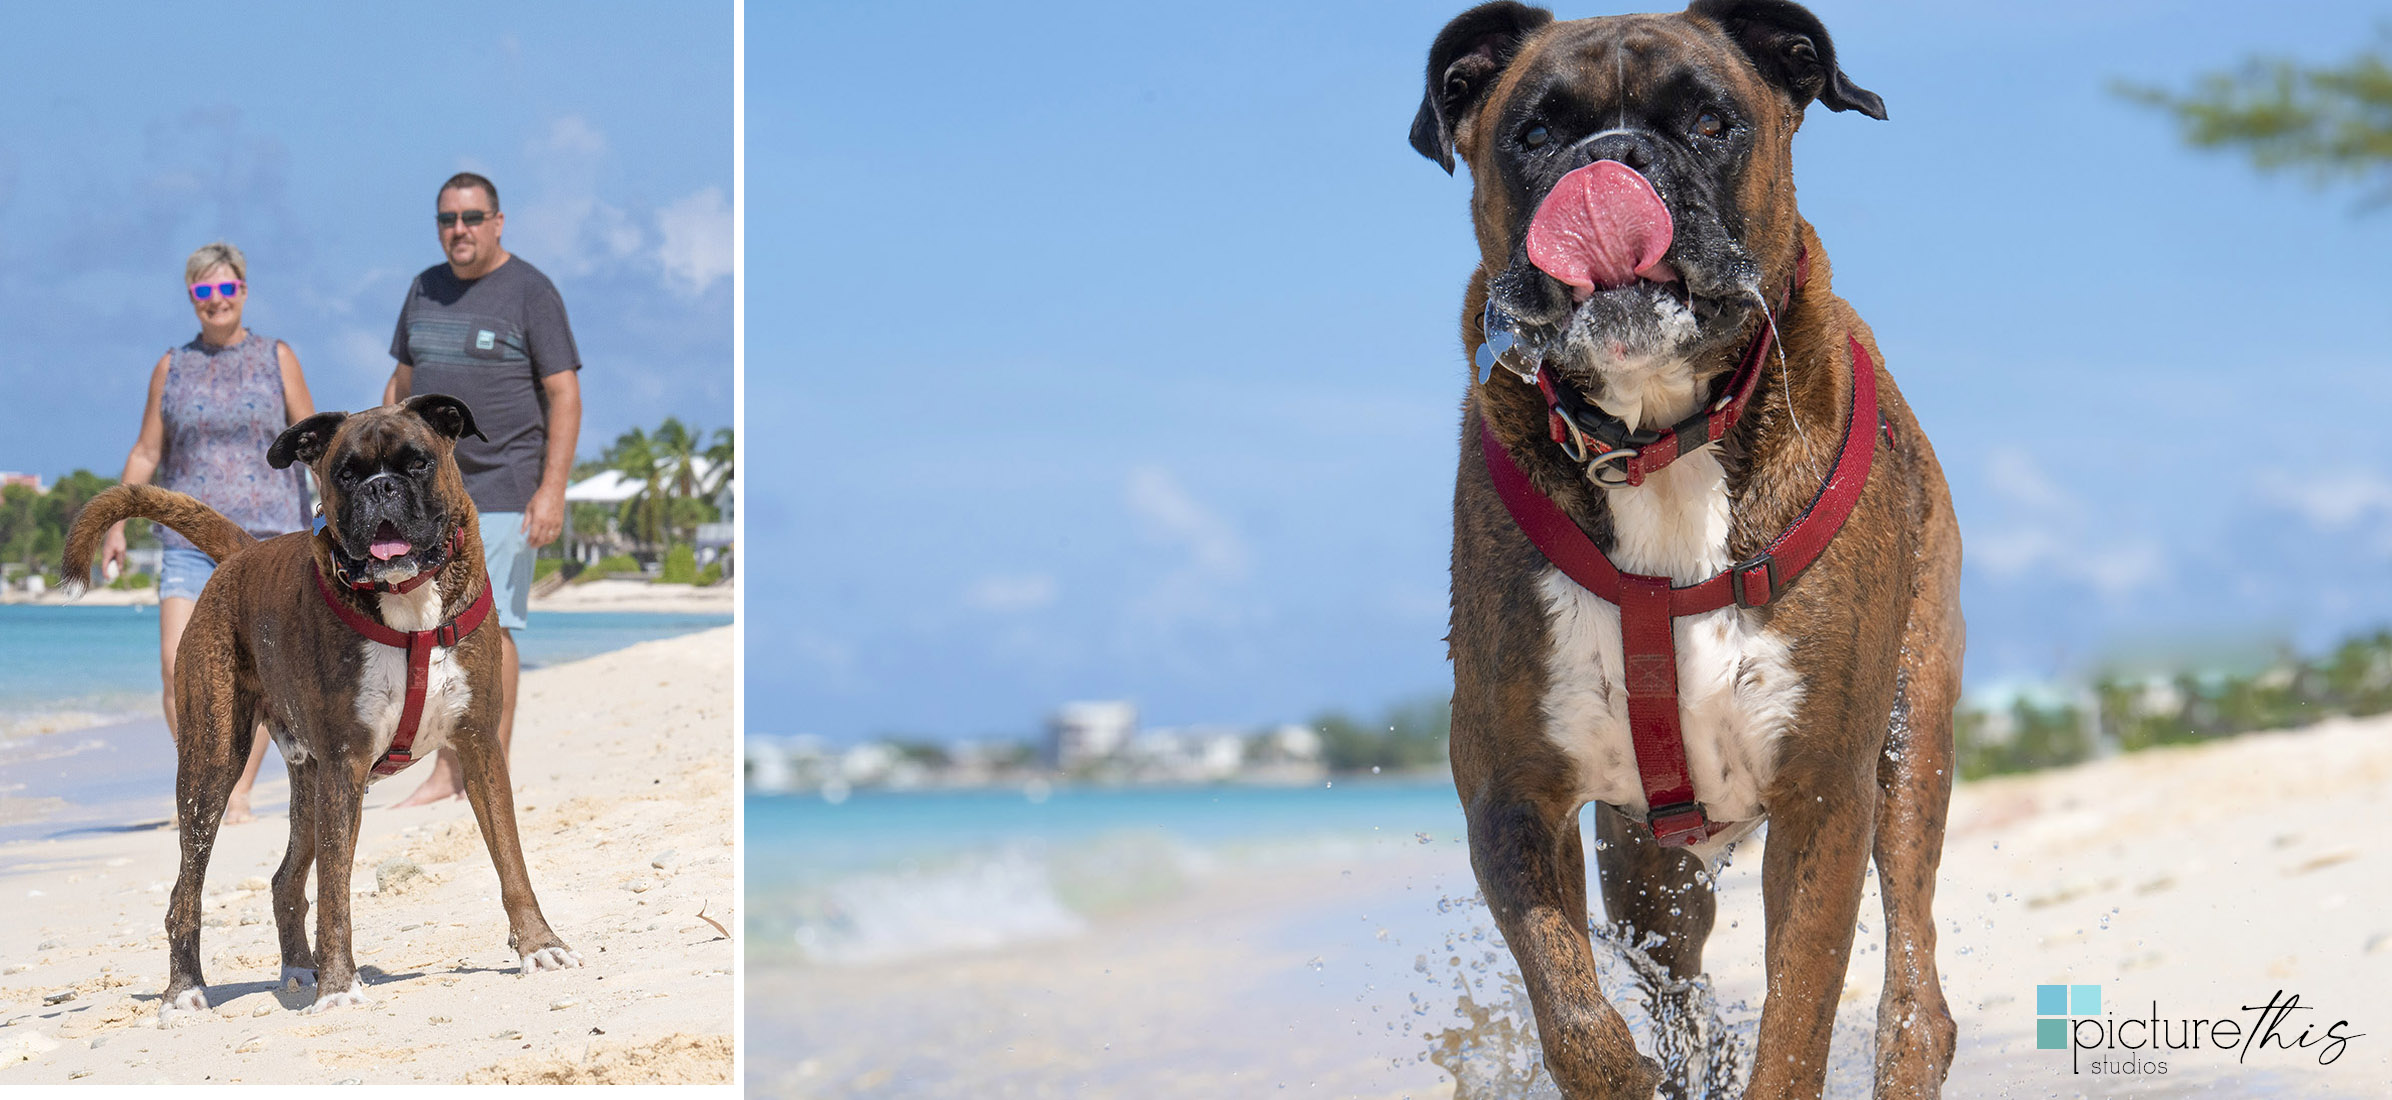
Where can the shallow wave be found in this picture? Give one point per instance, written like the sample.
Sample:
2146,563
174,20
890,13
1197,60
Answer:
969,904
19,726
1022,892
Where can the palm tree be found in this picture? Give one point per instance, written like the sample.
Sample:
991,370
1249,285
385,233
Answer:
677,456
721,454
635,456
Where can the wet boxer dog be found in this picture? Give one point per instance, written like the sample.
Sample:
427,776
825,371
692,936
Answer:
1705,568
361,649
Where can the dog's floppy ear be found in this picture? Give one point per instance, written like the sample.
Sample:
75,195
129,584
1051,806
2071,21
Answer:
445,414
1463,63
1791,48
304,442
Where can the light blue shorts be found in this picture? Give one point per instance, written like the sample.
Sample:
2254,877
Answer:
182,573
508,556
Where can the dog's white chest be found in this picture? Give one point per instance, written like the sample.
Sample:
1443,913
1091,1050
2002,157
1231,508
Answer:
1737,689
382,682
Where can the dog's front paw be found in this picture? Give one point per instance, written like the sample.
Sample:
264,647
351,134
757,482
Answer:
194,999
354,995
293,977
550,958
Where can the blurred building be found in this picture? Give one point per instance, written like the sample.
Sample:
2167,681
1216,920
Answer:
1084,733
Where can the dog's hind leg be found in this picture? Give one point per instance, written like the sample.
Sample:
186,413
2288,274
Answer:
1661,901
215,724
290,880
491,791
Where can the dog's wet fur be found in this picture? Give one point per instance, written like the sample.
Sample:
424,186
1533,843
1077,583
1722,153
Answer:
1871,631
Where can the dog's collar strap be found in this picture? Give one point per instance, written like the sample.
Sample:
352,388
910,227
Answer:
1614,454
418,644
456,545
1649,604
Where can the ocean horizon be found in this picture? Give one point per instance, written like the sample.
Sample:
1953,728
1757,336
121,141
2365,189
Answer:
66,666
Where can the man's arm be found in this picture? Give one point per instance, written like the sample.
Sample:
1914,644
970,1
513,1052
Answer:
544,517
402,385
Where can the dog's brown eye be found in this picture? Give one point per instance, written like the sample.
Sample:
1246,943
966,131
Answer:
1536,137
1709,125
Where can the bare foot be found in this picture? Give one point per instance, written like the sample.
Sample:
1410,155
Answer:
236,812
436,788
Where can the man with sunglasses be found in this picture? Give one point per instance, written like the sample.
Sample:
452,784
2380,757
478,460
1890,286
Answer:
488,328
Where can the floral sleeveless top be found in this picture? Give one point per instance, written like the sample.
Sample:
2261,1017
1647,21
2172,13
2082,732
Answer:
223,408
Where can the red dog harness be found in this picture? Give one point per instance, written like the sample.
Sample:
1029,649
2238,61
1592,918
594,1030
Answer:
1648,604
418,644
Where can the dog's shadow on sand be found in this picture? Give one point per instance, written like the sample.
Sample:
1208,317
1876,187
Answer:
297,998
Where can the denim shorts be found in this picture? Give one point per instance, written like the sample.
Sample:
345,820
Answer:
182,573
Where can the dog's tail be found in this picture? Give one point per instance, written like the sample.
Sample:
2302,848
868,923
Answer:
214,535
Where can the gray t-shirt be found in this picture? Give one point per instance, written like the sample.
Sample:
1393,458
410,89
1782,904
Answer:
489,342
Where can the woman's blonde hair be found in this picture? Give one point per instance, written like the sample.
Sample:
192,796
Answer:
209,255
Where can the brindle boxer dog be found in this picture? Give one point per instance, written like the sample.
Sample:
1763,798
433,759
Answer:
1638,289
264,645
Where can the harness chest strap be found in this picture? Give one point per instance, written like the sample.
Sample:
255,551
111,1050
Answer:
1649,604
418,644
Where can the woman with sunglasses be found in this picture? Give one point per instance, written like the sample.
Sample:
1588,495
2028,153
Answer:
215,405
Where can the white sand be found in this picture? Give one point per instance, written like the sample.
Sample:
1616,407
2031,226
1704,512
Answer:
2204,879
96,597
619,759
629,595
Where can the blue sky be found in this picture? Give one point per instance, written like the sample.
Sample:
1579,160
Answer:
313,136
1111,352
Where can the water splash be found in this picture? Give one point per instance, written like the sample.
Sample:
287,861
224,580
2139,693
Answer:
1492,1052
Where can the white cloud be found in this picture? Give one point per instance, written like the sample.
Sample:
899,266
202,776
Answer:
2053,532
2333,501
2014,476
1012,593
695,245
564,227
1214,557
1169,514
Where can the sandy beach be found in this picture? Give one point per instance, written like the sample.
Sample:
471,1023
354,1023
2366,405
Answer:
2194,881
624,787
628,595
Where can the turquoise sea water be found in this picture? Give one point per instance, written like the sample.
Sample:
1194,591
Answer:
82,744
104,660
886,874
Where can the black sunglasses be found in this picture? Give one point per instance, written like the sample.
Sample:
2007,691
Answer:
449,218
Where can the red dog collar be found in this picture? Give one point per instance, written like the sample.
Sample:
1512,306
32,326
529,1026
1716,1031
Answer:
1648,604
418,644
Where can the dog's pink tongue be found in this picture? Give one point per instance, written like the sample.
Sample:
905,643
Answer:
1599,228
386,549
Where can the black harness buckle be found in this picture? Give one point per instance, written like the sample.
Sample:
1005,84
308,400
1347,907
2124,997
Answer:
1737,573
